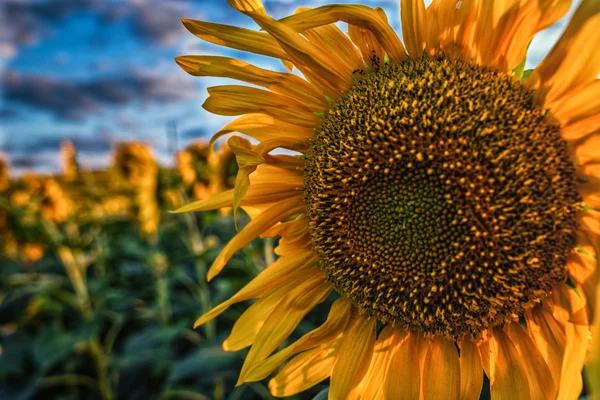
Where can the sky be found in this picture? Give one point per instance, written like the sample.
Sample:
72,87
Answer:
98,72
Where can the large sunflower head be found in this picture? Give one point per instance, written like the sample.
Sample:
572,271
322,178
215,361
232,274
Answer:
450,198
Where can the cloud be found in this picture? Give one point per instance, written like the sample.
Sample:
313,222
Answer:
74,100
157,22
91,144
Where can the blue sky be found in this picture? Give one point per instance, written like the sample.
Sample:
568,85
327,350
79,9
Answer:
102,71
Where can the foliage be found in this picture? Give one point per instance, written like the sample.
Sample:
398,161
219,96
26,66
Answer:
103,307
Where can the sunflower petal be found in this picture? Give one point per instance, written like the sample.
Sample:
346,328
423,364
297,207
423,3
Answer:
304,371
441,372
370,387
471,372
414,26
359,15
286,84
353,358
261,223
264,127
573,61
541,384
282,321
580,104
281,271
236,38
372,52
404,377
549,339
255,6
332,328
234,100
509,375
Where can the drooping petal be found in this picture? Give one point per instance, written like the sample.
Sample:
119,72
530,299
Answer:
358,15
284,319
372,51
578,105
304,371
450,28
232,100
332,40
441,372
353,357
281,271
261,223
255,6
332,328
471,372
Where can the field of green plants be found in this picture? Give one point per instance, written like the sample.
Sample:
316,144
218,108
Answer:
100,287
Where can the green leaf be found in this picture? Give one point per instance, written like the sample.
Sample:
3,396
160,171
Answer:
322,395
526,74
204,362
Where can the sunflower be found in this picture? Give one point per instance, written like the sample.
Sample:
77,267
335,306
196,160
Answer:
450,199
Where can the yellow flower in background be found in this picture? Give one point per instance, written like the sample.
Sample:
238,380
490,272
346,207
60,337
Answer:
196,169
135,168
4,179
55,204
69,160
438,192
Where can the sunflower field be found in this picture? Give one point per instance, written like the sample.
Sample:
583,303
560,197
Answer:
100,286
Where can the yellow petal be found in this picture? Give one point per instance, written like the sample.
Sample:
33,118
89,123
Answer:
586,150
414,26
568,306
574,60
328,332
353,357
298,302
404,378
236,38
541,384
578,340
371,386
264,221
247,6
551,11
471,372
330,39
580,104
441,372
450,28
263,127
581,128
305,53
549,339
281,271
304,371
359,15
224,199
509,376
286,84
372,52
236,100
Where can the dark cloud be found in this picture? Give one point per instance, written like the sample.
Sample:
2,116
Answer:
160,23
76,100
8,113
91,144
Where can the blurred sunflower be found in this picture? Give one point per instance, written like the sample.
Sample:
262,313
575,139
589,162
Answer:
4,179
449,198
195,165
135,168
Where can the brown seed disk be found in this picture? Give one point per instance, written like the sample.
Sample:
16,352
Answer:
440,197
